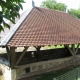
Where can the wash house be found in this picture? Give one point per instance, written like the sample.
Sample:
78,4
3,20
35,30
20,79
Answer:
55,37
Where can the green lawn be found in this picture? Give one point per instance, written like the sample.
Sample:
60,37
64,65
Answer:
50,76
70,74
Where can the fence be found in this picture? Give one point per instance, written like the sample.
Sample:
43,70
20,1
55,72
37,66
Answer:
72,74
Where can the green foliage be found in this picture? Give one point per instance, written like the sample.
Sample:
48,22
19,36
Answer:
9,10
61,7
75,12
51,75
52,4
49,4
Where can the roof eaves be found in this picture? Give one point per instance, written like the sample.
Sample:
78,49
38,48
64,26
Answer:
17,25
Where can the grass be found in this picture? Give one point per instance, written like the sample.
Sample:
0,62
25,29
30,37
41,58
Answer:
68,74
50,76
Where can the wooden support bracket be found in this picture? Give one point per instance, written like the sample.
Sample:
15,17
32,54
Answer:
21,56
77,48
73,51
69,49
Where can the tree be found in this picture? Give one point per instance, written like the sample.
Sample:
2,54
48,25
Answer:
60,7
52,4
49,4
75,12
9,9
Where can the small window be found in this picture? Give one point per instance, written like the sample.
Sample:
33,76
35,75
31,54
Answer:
27,70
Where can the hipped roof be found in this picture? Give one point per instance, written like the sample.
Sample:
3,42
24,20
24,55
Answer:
40,27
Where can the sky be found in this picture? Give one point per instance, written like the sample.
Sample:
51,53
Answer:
70,3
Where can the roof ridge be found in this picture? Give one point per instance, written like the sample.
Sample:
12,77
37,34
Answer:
17,25
58,11
52,9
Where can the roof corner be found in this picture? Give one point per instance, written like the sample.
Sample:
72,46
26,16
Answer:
17,25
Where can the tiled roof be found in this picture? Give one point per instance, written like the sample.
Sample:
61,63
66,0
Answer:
46,27
6,30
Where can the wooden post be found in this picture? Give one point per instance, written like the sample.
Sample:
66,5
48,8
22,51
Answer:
74,55
73,51
38,49
12,57
73,48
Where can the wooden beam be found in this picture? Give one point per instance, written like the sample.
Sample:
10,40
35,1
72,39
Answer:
21,56
73,48
12,57
74,55
69,49
77,48
38,50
